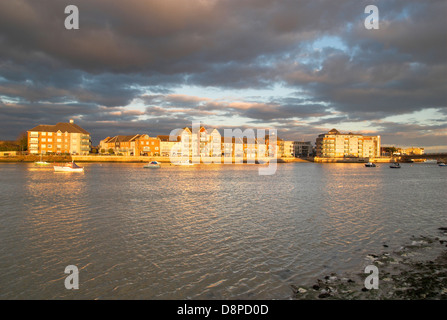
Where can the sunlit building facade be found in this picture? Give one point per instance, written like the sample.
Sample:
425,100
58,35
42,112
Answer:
61,138
339,145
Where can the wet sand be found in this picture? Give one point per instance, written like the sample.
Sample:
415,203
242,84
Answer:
416,271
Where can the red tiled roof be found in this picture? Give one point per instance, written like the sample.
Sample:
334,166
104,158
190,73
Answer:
60,126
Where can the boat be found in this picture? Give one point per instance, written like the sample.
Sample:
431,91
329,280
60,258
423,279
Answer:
69,167
395,165
370,164
185,163
41,162
442,164
152,164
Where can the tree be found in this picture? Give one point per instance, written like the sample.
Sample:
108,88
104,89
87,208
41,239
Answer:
22,141
111,151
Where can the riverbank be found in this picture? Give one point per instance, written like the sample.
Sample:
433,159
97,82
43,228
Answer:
113,158
34,158
416,271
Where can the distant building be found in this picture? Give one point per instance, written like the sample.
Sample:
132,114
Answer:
340,145
413,151
302,149
59,138
131,145
288,149
166,145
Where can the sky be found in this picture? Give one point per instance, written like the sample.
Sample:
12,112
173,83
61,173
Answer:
300,67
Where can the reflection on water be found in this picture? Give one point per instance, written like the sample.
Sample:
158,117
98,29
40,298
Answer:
203,232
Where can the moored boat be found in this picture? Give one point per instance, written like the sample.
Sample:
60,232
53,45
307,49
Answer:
442,164
185,163
395,165
41,162
370,164
152,164
69,167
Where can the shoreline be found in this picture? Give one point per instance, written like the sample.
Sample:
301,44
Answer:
113,159
416,271
143,159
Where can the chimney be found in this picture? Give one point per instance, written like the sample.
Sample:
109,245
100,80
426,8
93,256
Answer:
71,121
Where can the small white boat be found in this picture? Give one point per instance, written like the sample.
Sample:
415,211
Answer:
442,164
370,164
152,164
395,165
185,163
69,167
41,162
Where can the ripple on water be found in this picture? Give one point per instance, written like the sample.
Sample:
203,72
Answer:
214,232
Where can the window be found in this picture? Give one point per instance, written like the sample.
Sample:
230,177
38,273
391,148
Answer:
59,134
152,142
44,146
59,140
50,133
50,146
44,140
44,133
50,140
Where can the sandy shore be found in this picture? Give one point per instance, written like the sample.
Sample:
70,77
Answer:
418,270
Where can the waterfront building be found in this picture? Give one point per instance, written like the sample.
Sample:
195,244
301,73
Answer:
413,151
166,144
131,145
210,143
249,148
216,143
302,149
59,138
340,145
288,149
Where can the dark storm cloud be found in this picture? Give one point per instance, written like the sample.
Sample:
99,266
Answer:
279,109
145,50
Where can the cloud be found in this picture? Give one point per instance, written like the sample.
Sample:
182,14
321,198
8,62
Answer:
127,63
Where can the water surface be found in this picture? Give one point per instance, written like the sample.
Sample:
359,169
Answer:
204,232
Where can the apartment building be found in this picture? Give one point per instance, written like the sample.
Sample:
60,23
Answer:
59,138
131,145
288,149
339,145
166,144
210,143
302,149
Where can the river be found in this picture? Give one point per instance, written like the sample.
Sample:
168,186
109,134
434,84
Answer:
204,231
